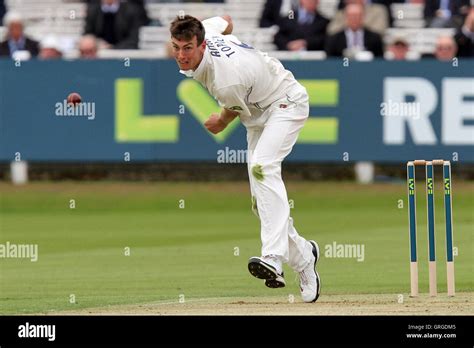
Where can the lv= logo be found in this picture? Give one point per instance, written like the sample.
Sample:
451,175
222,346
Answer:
131,125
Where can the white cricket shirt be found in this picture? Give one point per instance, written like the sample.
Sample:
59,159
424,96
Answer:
241,78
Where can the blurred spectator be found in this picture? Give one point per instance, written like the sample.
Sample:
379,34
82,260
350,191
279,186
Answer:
375,17
306,31
116,23
388,4
398,49
50,48
88,47
445,13
276,10
3,10
446,48
207,1
140,4
355,37
142,13
16,39
465,36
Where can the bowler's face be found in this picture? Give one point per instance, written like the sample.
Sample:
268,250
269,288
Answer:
188,54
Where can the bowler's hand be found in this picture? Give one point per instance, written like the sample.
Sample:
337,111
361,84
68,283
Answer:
214,124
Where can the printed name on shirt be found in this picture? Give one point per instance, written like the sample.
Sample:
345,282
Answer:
218,46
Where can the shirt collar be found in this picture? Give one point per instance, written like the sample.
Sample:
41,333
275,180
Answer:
304,15
188,73
302,10
17,44
113,8
351,32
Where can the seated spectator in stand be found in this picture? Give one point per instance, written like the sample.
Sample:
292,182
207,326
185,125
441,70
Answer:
465,36
397,50
142,13
446,48
375,17
387,4
117,23
205,1
88,47
3,10
305,31
355,37
140,5
16,39
50,48
445,13
275,10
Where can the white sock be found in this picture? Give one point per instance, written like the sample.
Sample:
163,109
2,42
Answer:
274,261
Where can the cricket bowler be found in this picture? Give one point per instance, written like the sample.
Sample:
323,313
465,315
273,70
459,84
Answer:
273,107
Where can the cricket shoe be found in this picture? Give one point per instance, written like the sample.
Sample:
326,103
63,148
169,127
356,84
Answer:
310,284
263,270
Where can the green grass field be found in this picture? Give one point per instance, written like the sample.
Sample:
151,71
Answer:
191,251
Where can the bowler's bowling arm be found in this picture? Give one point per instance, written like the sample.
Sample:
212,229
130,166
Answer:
220,24
230,25
227,116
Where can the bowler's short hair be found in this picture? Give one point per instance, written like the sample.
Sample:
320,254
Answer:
185,27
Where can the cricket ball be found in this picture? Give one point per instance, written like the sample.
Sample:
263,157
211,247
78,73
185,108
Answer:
74,99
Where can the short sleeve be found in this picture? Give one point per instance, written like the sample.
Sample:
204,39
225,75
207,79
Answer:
233,98
215,25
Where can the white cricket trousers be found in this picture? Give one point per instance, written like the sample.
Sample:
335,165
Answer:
268,145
